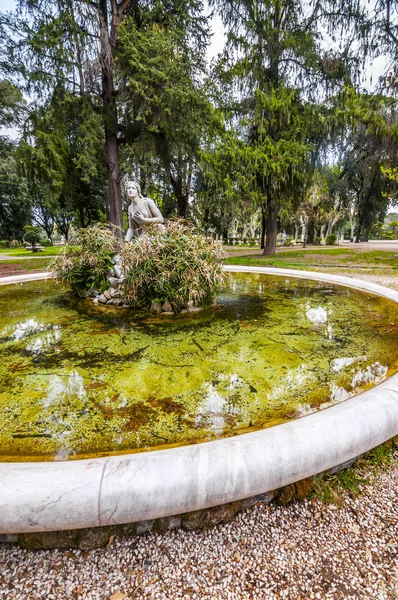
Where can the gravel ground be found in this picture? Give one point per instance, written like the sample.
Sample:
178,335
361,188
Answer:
303,551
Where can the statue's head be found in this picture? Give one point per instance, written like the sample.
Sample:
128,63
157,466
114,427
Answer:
133,189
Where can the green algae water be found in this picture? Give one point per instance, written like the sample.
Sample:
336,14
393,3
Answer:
79,380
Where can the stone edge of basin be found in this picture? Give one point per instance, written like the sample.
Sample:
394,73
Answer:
40,497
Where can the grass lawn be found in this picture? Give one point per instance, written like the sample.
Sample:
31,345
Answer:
48,251
339,258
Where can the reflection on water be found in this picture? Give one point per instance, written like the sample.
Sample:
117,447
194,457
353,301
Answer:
79,380
317,316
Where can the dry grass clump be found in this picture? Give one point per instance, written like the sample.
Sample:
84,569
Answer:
85,265
178,264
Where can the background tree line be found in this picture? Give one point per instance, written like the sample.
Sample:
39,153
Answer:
274,133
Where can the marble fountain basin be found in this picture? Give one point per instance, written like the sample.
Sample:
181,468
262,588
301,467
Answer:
113,489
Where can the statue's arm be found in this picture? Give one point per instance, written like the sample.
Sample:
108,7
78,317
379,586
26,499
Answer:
131,230
155,212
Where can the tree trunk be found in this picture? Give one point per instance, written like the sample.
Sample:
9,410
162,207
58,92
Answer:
358,232
181,197
311,232
111,122
296,232
263,228
352,228
330,224
114,192
271,229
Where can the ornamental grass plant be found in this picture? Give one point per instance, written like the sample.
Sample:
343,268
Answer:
86,264
176,263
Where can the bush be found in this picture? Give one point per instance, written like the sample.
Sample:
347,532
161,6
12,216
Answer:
33,234
331,239
317,241
47,242
177,263
4,244
86,265
387,235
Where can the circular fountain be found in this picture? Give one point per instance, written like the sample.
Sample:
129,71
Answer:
168,415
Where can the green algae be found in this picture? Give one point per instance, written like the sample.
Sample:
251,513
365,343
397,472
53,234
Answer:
81,380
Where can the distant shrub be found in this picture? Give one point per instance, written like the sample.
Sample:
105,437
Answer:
33,234
4,244
47,243
85,265
177,263
331,239
317,240
288,242
387,235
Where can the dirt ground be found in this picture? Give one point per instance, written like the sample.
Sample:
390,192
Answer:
16,269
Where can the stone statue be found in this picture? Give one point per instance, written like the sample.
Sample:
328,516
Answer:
141,213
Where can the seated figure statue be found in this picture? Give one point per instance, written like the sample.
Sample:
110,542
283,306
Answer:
141,213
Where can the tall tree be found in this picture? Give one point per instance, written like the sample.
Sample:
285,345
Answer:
75,44
60,156
371,153
15,209
166,111
273,57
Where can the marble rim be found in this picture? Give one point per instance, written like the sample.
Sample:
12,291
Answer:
55,496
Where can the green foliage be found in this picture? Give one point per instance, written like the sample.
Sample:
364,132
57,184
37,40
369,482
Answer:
11,103
331,239
32,264
85,265
317,241
61,158
15,208
18,250
178,264
33,234
331,489
167,113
